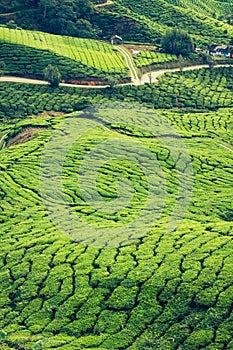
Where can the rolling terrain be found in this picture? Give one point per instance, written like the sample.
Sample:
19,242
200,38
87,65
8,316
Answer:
207,22
63,289
76,58
116,212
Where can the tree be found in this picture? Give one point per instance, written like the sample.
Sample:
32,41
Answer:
177,42
52,75
62,17
46,4
181,63
210,62
111,81
2,67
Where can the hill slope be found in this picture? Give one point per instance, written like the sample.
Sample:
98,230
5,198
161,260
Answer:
158,15
93,58
154,289
143,21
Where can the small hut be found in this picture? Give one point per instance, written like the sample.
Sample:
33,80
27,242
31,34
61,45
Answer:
116,40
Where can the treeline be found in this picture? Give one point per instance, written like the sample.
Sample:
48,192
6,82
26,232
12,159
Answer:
67,17
56,16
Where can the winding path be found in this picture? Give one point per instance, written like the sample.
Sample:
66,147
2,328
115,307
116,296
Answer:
2,145
109,2
154,75
130,63
135,80
228,148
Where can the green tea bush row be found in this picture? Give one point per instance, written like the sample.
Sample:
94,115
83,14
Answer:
25,61
93,56
146,58
200,89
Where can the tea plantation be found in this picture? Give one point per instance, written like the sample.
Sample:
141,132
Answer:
80,57
206,22
145,289
201,89
146,58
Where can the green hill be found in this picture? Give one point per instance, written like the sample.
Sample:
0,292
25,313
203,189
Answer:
143,21
158,15
82,58
136,285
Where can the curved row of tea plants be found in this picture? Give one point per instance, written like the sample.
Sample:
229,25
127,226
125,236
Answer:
201,88
191,89
159,16
146,58
209,7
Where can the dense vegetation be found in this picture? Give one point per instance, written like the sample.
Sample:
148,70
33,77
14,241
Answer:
137,286
25,61
143,21
165,290
200,89
148,20
177,42
146,58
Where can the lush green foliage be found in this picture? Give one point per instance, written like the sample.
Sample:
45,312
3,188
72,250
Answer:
145,21
96,57
52,75
194,89
146,58
160,16
25,61
168,291
67,18
165,290
177,42
200,89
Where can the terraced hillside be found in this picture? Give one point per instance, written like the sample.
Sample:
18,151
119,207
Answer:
87,58
145,21
212,8
148,20
152,289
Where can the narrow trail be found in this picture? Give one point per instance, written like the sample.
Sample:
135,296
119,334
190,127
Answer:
229,149
12,79
135,79
15,12
1,140
154,75
130,63
109,2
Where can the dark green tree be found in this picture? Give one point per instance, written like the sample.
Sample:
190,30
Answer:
2,67
62,17
210,61
111,81
52,75
181,63
177,42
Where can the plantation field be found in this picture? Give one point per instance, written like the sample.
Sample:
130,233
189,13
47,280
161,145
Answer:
146,58
25,61
157,16
157,289
95,58
200,89
191,89
220,8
